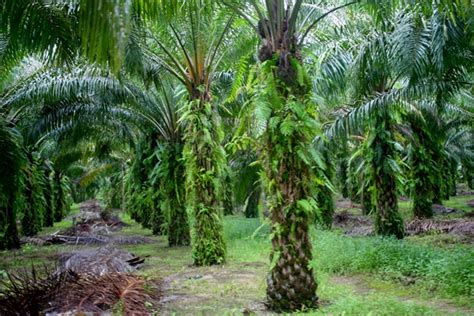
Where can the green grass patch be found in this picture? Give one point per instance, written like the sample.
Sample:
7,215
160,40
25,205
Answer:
459,202
398,277
449,272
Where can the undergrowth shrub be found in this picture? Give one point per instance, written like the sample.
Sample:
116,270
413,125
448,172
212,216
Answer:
450,271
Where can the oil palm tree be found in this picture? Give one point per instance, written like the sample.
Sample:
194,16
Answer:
118,110
285,114
400,63
198,50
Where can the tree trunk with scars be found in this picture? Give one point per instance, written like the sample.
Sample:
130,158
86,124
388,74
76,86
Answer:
291,284
289,161
289,182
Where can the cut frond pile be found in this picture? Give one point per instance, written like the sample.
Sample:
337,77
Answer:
99,261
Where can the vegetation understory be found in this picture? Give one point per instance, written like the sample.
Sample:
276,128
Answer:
429,273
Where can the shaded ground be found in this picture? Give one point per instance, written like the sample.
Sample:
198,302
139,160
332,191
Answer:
447,220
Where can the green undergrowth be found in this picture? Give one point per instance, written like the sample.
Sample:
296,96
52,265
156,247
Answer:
459,202
447,272
345,299
404,276
64,224
384,276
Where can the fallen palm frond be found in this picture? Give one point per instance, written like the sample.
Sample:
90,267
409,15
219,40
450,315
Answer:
28,292
453,226
32,292
360,225
121,292
99,261
91,206
85,240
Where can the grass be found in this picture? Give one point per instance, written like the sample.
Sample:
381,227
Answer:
459,202
446,272
384,265
356,275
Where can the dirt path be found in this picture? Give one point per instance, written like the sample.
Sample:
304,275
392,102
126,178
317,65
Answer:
200,290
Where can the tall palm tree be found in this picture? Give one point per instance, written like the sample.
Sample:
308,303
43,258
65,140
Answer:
131,112
198,50
284,109
399,63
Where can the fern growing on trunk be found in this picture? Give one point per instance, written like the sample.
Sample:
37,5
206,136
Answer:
204,159
289,179
384,172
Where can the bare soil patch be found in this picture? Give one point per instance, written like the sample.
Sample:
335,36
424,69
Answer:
196,289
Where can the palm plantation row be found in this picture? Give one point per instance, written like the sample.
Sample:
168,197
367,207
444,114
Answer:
182,112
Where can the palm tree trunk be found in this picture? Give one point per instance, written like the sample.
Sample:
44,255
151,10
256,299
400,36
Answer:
423,173
49,197
59,198
366,199
469,176
291,284
342,176
157,218
33,208
227,201
422,190
343,169
388,220
174,195
251,208
204,159
10,238
178,229
452,177
325,206
354,185
30,220
290,181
